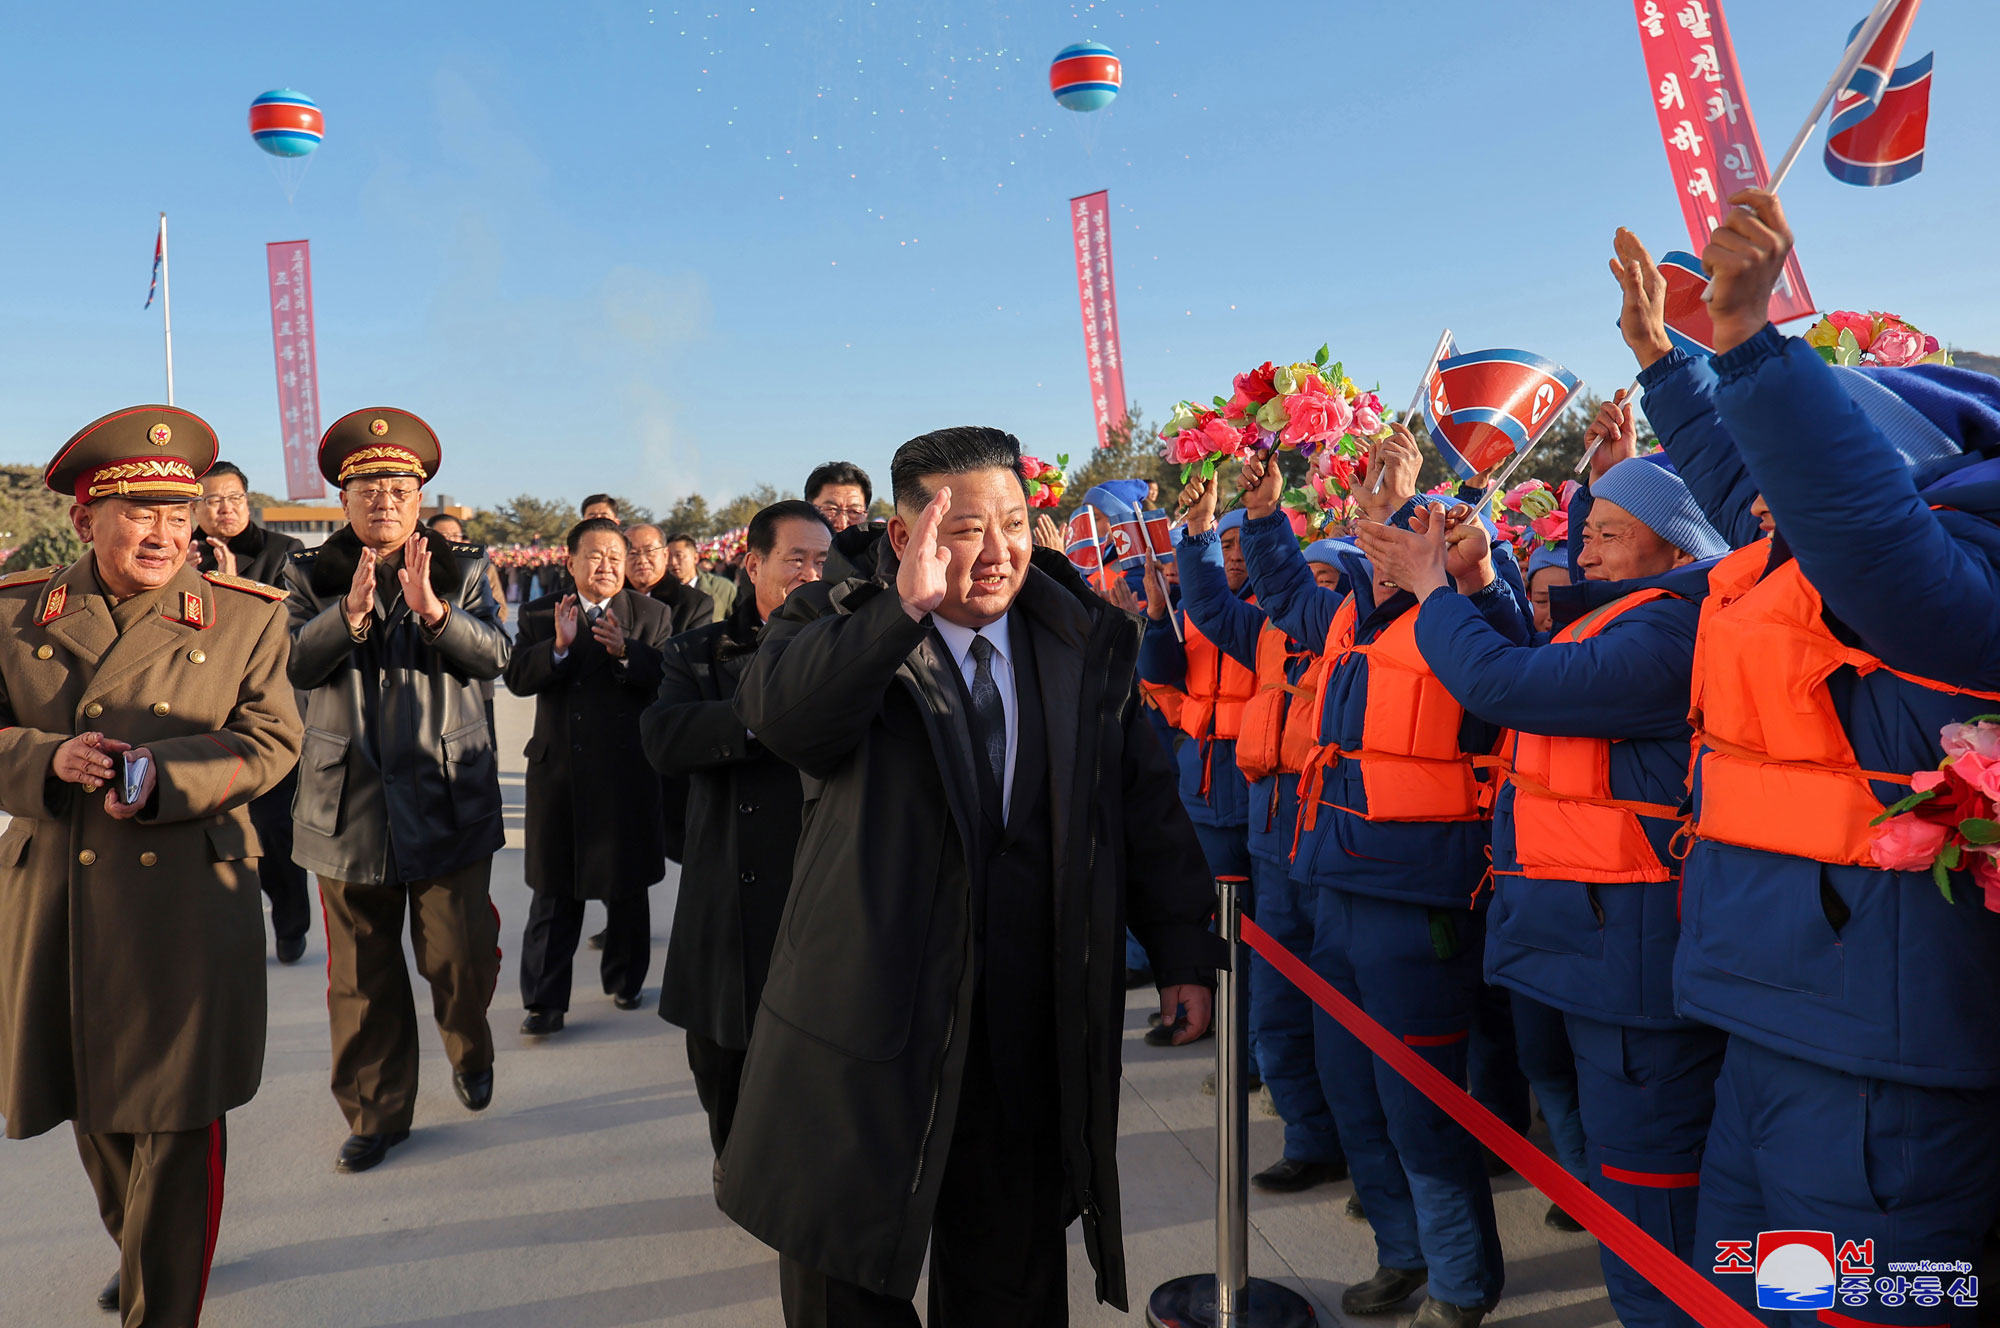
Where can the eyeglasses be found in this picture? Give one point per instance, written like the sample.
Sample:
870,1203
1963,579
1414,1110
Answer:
832,510
646,550
220,502
396,494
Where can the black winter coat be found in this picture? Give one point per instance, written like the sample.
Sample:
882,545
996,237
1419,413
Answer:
850,1090
743,809
593,818
397,749
260,553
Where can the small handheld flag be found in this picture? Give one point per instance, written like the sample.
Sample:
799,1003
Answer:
1487,405
159,252
1688,325
1080,543
1882,114
1128,541
1159,535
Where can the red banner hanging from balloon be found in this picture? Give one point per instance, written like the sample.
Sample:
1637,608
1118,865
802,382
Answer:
293,343
1706,125
1090,228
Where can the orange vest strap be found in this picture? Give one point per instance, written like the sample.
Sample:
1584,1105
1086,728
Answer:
1715,744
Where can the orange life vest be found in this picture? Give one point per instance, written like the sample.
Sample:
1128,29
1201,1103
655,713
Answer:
1411,765
1778,771
1165,698
1567,826
1217,689
1302,720
1257,746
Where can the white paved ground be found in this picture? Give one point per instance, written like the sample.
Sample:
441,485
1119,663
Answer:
580,1199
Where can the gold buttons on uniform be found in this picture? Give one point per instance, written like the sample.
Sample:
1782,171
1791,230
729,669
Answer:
197,657
44,651
87,857
161,707
148,859
93,710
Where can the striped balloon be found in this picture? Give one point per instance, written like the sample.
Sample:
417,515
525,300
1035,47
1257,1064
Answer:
286,123
1085,76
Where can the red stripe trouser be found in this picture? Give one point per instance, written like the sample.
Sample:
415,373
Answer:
161,1199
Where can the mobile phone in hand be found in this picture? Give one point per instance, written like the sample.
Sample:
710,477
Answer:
135,778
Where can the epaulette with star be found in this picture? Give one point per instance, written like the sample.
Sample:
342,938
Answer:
245,584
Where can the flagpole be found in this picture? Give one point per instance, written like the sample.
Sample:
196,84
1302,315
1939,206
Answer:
1857,51
1631,395
167,307
1423,381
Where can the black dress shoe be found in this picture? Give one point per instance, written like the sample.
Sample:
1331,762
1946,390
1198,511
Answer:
715,1181
597,941
1288,1176
362,1151
1557,1220
541,1023
1383,1292
1435,1313
627,1002
1163,1036
1355,1212
107,1299
291,949
474,1087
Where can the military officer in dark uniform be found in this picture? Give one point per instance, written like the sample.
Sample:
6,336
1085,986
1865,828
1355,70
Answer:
591,660
130,931
228,541
393,627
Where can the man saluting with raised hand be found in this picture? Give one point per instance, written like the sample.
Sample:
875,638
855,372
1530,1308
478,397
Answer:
935,1062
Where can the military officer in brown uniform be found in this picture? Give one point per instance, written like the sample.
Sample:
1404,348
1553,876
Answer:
393,629
131,931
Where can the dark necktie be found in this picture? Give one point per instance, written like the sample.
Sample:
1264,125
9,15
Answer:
988,714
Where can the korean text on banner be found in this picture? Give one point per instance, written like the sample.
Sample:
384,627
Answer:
1706,125
1090,228
292,342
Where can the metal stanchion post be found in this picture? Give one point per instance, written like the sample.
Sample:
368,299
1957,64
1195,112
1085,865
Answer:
1230,1298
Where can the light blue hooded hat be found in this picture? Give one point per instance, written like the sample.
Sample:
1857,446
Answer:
1660,498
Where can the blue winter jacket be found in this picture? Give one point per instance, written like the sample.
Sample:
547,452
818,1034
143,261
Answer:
1437,863
1162,660
1606,951
1866,971
1234,624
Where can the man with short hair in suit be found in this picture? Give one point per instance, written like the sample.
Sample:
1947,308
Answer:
591,660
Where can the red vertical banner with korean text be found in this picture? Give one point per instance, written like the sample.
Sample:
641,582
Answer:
1706,125
1090,229
290,272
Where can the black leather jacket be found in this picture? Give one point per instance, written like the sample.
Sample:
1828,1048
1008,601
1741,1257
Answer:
397,779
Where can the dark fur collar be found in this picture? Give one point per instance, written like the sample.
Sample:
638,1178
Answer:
334,562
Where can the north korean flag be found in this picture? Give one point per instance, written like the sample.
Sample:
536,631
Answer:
1486,405
1081,540
1159,535
1128,541
1688,324
1881,117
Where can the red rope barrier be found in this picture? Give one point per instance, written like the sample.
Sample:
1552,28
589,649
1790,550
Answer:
1681,1284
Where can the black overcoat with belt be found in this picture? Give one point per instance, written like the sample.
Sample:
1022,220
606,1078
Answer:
742,828
593,823
851,1085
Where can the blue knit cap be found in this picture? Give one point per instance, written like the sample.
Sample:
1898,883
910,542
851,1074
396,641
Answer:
1661,500
1929,411
1230,520
1328,551
1117,497
1543,558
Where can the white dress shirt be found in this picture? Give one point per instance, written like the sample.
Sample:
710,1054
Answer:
584,604
958,640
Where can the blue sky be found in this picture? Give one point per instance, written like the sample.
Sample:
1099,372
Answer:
659,250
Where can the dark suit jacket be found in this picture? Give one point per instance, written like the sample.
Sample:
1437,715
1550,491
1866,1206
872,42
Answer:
692,607
593,802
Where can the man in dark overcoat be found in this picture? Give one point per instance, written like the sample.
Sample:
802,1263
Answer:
743,813
591,660
228,541
131,936
393,628
936,1060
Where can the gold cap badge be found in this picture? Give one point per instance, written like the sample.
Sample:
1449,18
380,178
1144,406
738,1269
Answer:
159,435
379,427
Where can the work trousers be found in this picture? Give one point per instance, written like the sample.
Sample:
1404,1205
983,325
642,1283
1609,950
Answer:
1419,1174
998,1254
718,1081
160,1196
1905,1173
548,948
1647,1095
1541,1042
1281,1018
455,933
284,881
